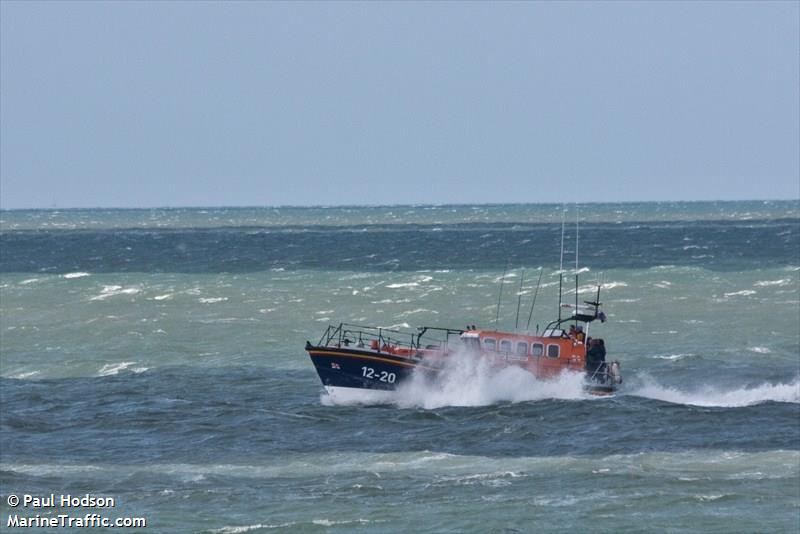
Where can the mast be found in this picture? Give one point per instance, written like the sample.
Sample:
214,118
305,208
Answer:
530,315
597,299
576,266
576,239
519,299
561,262
500,296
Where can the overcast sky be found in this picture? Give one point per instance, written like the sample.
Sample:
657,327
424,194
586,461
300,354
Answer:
136,104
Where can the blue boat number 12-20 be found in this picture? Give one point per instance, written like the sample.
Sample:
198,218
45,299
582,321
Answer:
383,376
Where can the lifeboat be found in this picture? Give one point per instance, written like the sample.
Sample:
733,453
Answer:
373,358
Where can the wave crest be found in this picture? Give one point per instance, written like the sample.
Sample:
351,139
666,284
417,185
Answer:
713,396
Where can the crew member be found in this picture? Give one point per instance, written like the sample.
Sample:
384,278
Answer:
595,356
579,335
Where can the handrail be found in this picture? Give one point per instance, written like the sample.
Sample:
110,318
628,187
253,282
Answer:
346,333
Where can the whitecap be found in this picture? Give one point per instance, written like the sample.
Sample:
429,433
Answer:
76,275
212,300
743,293
24,375
767,283
671,356
331,523
113,368
415,311
111,291
396,326
401,285
759,350
560,501
611,285
708,498
248,528
163,297
29,281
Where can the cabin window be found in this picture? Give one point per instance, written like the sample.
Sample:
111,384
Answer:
505,346
522,348
537,349
490,343
552,351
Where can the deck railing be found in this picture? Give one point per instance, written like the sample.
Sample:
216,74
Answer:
345,334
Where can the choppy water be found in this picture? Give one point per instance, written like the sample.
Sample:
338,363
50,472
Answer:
157,356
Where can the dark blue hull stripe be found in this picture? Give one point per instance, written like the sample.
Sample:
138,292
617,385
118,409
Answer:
356,369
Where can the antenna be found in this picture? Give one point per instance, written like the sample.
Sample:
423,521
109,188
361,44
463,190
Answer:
519,298
576,238
576,300
597,299
563,218
541,271
500,295
560,280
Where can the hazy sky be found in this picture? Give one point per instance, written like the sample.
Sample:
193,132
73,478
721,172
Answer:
185,104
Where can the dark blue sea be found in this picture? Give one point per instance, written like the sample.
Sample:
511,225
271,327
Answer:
156,357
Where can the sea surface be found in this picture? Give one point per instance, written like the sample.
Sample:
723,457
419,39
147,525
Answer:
156,357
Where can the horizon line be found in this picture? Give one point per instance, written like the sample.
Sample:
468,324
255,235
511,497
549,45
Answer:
403,205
